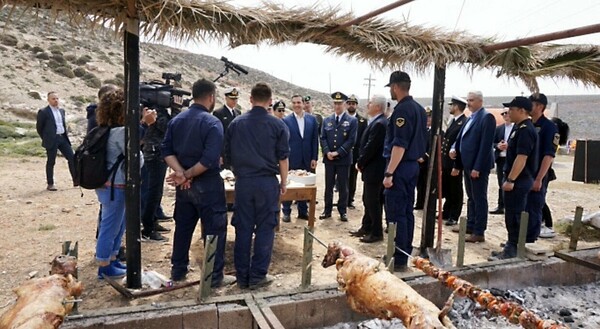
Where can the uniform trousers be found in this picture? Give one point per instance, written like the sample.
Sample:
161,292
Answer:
500,176
205,200
514,205
452,190
156,169
399,200
535,204
352,177
373,203
62,145
337,175
477,203
256,208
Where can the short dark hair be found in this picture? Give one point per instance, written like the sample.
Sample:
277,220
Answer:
261,92
404,85
203,88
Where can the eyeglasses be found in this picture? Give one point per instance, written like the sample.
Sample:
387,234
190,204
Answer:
504,113
471,100
280,110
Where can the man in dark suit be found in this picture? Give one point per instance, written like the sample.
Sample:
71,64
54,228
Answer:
304,148
473,149
337,139
352,104
228,112
52,128
500,145
423,167
452,187
371,164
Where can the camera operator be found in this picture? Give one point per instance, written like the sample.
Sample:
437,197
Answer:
156,169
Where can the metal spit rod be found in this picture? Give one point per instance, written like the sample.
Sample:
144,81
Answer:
318,240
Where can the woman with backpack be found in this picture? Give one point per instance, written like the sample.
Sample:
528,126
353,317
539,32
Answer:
111,113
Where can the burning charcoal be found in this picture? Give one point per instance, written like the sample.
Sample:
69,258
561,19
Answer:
497,292
564,312
568,319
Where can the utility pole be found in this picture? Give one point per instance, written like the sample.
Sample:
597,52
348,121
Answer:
369,83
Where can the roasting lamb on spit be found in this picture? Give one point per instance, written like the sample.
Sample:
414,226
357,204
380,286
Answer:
40,303
514,312
372,290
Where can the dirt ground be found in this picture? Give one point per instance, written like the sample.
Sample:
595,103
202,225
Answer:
35,222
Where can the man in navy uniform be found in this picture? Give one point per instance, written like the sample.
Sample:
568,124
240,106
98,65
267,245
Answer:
256,143
548,138
338,136
192,148
473,149
371,164
352,103
452,188
228,112
405,142
304,148
308,108
52,128
519,172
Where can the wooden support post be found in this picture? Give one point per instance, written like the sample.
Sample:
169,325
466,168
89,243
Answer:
208,263
576,229
307,256
391,246
132,143
462,231
524,223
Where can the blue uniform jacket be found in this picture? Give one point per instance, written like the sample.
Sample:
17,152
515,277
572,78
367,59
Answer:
303,150
255,142
474,146
407,128
548,138
522,140
340,138
195,136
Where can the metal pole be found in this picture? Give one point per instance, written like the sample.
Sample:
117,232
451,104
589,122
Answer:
132,141
428,231
589,29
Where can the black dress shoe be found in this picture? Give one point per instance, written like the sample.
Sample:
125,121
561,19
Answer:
160,228
497,211
371,238
351,205
305,217
451,222
286,218
325,216
359,233
343,217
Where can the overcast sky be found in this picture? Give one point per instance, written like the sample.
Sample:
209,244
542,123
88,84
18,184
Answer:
307,65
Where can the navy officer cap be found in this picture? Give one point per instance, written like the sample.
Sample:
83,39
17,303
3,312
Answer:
352,99
339,97
539,98
457,100
520,102
232,93
398,76
279,105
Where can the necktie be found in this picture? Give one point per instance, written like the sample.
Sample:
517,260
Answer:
337,120
233,114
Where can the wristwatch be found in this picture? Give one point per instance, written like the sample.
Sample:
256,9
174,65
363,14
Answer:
508,180
388,174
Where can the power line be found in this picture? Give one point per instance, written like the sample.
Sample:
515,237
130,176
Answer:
369,83
459,14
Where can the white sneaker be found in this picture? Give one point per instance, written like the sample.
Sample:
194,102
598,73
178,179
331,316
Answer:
547,232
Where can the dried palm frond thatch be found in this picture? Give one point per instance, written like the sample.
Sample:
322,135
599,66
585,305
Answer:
381,43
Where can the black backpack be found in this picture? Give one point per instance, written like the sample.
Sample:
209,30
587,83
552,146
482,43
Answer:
90,160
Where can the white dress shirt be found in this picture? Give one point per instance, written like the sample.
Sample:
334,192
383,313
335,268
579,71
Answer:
58,119
300,120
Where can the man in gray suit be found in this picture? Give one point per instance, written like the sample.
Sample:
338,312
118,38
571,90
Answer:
52,128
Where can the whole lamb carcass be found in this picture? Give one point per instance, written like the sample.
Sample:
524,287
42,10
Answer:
372,290
40,303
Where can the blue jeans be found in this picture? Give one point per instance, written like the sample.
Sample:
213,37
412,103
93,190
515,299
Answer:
477,204
399,200
112,225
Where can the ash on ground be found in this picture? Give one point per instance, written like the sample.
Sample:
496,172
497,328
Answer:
575,306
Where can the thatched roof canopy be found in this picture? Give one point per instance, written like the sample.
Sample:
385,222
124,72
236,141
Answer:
379,42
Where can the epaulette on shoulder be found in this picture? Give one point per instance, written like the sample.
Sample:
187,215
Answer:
523,126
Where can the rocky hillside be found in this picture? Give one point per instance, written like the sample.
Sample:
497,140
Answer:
43,53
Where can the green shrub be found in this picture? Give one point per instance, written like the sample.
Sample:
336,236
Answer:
26,147
70,57
8,132
55,49
120,76
116,82
83,99
83,60
59,58
42,55
9,40
37,49
26,46
91,80
65,72
54,64
79,71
